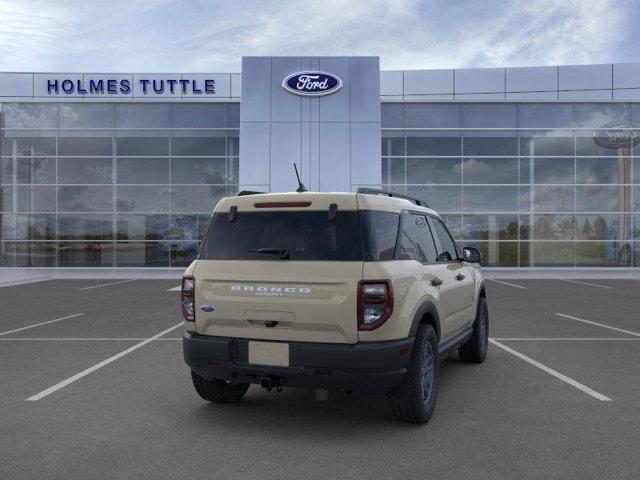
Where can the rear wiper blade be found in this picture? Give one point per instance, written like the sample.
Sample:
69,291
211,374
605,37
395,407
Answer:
283,252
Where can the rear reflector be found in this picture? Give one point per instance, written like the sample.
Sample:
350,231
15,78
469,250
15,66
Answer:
281,204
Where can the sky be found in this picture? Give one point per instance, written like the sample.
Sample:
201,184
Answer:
212,36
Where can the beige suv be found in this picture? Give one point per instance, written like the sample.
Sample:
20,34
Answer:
361,291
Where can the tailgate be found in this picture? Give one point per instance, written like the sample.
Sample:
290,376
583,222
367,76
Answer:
304,301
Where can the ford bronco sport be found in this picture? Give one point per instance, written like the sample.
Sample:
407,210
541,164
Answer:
361,291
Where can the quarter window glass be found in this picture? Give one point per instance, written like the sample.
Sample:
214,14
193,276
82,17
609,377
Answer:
406,241
447,247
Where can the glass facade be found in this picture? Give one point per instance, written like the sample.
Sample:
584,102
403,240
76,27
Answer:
112,184
524,182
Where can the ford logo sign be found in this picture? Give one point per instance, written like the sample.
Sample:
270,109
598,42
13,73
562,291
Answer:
312,83
617,135
207,308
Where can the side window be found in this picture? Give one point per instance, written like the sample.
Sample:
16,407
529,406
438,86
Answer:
405,249
446,246
425,248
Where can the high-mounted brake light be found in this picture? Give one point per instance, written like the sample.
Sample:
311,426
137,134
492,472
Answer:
187,298
281,204
375,303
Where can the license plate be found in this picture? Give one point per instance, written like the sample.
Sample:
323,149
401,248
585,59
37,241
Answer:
269,353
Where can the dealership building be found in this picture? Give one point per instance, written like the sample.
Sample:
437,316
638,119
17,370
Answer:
536,166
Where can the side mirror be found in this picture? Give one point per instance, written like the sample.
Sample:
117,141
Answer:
471,255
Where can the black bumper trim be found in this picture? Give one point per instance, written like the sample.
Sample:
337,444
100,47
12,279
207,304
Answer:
370,367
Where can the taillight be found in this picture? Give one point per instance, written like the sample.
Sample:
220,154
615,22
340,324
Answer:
375,303
187,299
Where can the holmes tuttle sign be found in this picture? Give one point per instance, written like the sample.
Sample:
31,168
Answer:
312,83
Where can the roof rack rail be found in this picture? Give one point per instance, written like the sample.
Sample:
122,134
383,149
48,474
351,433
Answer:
375,191
242,193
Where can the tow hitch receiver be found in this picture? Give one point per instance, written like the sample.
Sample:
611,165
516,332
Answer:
269,382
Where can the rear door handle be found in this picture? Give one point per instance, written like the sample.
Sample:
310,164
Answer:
436,281
460,277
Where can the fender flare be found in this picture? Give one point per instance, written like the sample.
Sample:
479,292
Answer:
426,307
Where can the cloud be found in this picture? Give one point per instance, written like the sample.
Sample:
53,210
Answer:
167,36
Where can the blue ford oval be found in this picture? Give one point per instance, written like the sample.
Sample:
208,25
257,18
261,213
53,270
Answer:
207,308
312,83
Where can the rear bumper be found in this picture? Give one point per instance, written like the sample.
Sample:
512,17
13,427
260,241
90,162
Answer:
373,367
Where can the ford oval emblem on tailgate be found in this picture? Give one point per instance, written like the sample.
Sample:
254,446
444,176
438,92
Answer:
207,308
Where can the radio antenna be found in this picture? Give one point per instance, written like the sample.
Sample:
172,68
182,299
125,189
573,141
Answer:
301,187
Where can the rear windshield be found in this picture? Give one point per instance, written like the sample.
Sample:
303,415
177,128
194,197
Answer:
310,235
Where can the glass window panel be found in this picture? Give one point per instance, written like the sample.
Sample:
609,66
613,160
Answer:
212,144
525,171
454,224
393,170
85,170
603,254
603,227
36,198
497,254
554,227
636,254
85,227
490,170
142,227
598,114
585,145
195,199
85,199
441,199
432,115
233,143
233,170
600,199
141,115
183,253
490,227
425,247
233,111
142,170
490,199
524,198
143,199
85,115
636,227
636,171
199,115
546,144
554,199
392,115
142,146
434,170
392,143
183,227
30,115
142,254
490,115
35,227
91,146
553,254
545,115
601,170
526,253
8,227
199,170
36,169
490,145
553,170
6,170
203,225
524,227
30,146
6,199
433,143
80,254
20,254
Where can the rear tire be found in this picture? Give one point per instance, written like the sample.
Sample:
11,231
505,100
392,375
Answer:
475,349
218,391
415,399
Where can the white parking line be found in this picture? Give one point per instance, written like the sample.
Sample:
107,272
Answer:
41,323
175,289
551,371
507,283
584,283
629,332
97,366
97,339
106,284
559,339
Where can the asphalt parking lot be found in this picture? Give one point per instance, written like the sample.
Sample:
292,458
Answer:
93,385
